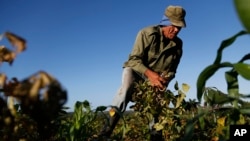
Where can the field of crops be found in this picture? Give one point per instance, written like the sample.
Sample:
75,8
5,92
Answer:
33,108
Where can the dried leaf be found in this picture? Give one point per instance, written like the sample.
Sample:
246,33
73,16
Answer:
46,79
241,120
11,88
16,41
185,87
6,55
11,103
3,79
221,121
39,81
34,91
158,126
112,112
215,138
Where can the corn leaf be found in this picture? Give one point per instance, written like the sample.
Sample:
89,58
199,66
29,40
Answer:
243,69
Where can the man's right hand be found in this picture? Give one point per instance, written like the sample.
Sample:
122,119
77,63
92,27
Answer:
155,79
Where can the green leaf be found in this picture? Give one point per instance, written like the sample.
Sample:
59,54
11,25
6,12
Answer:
176,87
101,108
245,111
214,96
86,104
203,77
243,69
211,69
225,44
244,58
206,74
189,131
243,10
232,85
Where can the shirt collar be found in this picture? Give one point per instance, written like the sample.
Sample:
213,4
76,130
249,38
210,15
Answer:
161,33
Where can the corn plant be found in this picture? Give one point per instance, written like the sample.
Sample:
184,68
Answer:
238,110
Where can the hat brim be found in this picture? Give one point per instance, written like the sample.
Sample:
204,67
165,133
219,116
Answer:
178,23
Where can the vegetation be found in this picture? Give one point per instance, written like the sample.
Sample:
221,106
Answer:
33,108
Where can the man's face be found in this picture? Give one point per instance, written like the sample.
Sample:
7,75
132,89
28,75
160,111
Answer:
170,31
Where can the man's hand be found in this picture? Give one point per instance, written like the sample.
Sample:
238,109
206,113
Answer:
155,79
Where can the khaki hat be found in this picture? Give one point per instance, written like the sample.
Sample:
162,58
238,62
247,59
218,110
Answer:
176,15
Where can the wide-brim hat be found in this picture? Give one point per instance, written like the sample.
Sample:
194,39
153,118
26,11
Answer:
176,15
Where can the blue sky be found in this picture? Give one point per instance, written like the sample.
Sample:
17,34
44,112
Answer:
84,43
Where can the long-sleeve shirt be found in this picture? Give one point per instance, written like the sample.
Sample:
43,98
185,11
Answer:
155,52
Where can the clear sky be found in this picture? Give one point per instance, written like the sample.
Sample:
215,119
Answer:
84,43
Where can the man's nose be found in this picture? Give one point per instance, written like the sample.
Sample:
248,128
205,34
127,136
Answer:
176,29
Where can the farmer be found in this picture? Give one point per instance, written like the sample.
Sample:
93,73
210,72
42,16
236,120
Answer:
155,57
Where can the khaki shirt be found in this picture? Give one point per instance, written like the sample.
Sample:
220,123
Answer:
153,51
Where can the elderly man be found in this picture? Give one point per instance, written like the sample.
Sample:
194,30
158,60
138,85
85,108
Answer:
155,57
